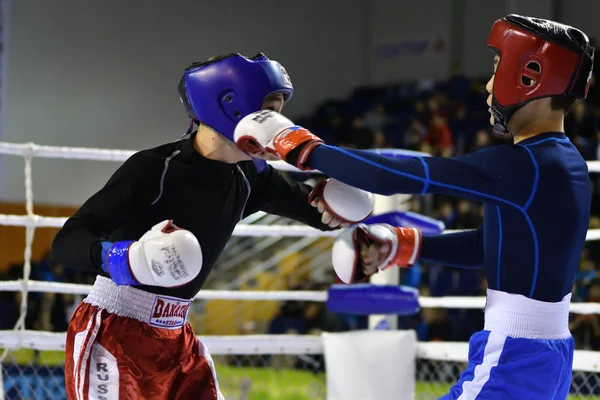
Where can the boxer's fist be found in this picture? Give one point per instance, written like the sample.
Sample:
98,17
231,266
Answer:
165,256
363,250
341,204
269,135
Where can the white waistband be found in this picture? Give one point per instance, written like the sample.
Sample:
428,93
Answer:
126,301
517,316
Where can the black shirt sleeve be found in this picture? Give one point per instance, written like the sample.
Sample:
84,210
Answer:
78,244
274,193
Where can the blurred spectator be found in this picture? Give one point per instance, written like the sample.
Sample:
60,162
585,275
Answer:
460,127
466,216
335,129
482,140
413,136
435,324
594,245
586,327
439,327
359,136
434,107
411,276
376,118
458,85
439,137
380,141
581,126
475,317
447,215
52,313
420,111
586,274
415,205
288,320
320,319
9,308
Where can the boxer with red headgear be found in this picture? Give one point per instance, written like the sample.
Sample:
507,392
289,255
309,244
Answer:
536,59
536,196
154,232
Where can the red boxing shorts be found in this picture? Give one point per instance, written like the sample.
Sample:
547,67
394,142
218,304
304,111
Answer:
124,343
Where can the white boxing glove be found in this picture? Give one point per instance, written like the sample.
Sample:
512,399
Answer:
344,202
362,250
165,256
269,135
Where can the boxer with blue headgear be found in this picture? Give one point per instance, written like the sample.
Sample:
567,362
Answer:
223,90
155,231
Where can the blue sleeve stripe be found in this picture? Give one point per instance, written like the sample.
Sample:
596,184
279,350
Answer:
427,181
536,255
499,247
426,168
533,232
381,166
536,179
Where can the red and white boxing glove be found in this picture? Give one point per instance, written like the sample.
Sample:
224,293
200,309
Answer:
345,203
269,135
363,250
165,256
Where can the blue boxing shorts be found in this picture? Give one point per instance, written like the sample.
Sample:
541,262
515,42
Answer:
524,352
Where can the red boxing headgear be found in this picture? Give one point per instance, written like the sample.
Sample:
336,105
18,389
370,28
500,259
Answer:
538,58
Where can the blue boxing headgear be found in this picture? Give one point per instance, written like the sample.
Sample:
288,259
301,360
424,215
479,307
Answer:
222,91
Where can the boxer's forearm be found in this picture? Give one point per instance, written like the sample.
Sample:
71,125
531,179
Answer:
498,175
77,247
380,176
276,194
460,249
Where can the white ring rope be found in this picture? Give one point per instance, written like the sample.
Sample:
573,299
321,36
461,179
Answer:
282,344
90,154
240,230
279,295
94,154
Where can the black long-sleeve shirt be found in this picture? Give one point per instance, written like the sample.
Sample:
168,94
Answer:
174,181
536,197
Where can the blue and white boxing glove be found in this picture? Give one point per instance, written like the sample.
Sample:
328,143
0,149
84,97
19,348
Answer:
165,256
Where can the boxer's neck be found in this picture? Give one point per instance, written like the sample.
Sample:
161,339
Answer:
538,127
216,147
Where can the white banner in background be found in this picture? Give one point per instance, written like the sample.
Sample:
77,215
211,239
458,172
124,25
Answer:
370,365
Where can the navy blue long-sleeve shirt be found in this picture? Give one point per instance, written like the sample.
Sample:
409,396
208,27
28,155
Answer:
536,197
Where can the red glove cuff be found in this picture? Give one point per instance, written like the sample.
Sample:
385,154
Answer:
290,139
410,242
